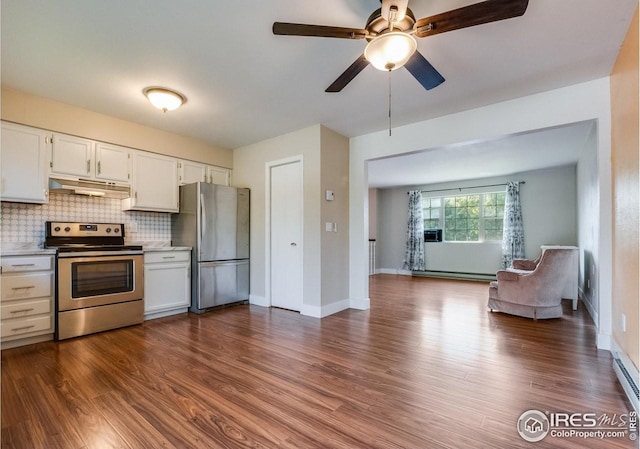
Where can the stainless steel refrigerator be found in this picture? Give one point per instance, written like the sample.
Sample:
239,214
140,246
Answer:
214,221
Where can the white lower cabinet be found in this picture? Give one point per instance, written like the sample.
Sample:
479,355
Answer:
167,283
26,304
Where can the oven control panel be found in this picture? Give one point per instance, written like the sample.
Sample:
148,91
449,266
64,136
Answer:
72,229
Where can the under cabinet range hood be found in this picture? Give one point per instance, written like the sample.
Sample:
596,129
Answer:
88,188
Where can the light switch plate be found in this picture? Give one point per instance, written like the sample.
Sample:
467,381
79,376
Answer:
328,195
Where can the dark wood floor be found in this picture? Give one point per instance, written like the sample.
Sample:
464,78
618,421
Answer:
426,367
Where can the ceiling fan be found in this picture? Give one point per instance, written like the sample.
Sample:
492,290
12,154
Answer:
391,30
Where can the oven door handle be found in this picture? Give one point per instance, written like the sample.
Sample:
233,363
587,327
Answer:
79,254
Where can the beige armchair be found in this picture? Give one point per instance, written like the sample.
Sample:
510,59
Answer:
537,293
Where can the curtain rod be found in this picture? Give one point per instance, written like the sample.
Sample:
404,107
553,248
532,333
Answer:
470,187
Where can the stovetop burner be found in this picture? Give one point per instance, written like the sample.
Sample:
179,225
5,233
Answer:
75,237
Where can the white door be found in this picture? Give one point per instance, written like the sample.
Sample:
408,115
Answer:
113,163
24,168
72,155
192,172
286,235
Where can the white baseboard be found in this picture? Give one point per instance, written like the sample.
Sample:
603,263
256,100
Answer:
323,311
603,341
589,306
164,313
360,304
393,271
261,301
618,353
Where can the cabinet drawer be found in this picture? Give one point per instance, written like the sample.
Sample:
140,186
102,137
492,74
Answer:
167,256
27,263
26,286
28,325
21,309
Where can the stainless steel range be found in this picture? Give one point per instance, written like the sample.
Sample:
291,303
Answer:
99,282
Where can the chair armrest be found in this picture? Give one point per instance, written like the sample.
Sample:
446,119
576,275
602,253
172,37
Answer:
524,264
504,275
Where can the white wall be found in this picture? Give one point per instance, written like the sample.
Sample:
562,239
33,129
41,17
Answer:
580,102
548,200
588,223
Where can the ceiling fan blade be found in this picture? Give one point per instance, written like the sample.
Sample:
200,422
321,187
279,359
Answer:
300,29
349,74
468,16
423,71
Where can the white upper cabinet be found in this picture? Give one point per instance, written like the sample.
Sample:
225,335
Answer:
78,158
113,163
190,172
218,175
72,156
25,160
154,183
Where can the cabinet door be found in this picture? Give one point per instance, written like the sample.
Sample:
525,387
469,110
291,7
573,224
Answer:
71,156
155,182
192,172
25,160
113,163
167,286
218,175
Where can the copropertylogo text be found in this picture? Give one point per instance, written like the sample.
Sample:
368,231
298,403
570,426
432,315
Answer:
534,425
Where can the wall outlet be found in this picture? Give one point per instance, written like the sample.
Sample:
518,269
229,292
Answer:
133,227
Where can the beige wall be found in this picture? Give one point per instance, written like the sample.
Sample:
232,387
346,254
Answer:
250,163
325,167
27,109
334,176
625,169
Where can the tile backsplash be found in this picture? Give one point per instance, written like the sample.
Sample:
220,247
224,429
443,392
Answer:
24,223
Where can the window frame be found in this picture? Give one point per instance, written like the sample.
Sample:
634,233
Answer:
481,217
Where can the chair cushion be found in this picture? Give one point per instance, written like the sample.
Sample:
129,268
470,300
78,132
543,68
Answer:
524,264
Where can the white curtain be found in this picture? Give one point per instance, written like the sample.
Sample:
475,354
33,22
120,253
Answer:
513,231
414,255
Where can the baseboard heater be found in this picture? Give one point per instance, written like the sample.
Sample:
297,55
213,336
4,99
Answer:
455,275
627,381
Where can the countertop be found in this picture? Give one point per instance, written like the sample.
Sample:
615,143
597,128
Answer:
149,249
24,249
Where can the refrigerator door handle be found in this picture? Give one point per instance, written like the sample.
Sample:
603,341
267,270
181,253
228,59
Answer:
203,218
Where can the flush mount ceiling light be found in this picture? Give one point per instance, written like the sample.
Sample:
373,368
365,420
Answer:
164,99
390,51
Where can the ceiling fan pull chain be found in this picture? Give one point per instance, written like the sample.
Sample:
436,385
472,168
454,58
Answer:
389,103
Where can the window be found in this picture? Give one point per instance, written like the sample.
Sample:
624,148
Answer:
431,212
493,215
462,218
466,218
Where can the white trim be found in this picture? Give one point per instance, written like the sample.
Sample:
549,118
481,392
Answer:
256,300
323,311
25,341
267,224
603,341
360,304
164,313
617,352
589,306
393,271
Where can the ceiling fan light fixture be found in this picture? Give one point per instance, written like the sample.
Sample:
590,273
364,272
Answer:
390,51
164,99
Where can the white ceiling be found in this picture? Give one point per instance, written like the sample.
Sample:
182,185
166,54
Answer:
244,84
537,150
